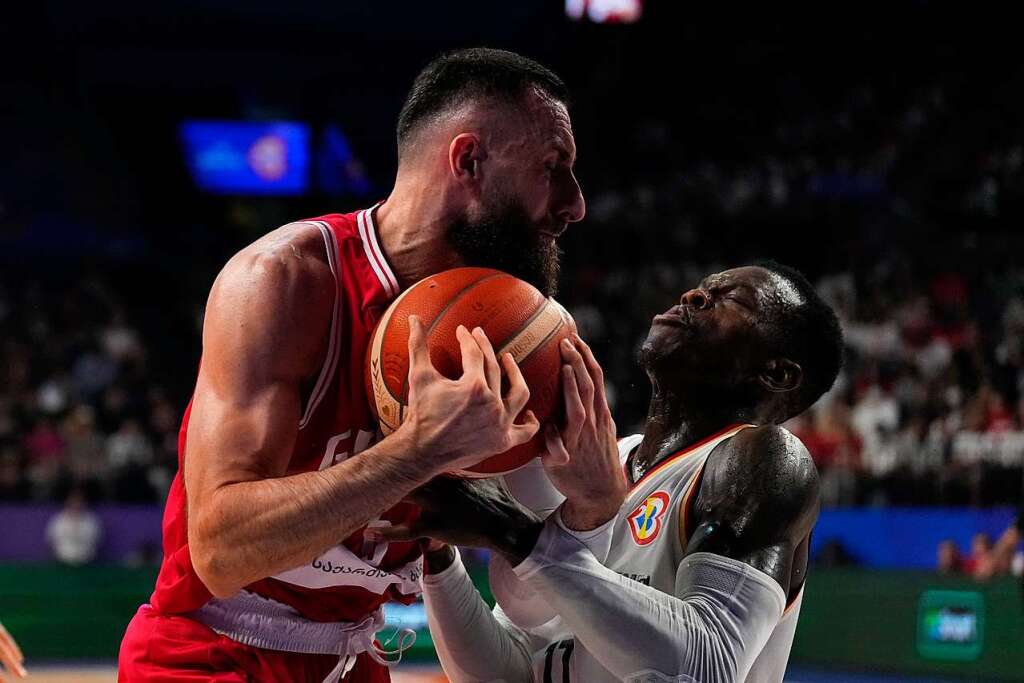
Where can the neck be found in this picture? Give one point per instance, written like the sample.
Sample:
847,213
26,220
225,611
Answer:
678,419
411,226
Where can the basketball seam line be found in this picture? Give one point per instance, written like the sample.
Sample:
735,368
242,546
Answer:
556,328
426,333
536,314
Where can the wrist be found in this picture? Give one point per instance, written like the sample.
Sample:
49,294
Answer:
436,561
584,516
516,543
413,458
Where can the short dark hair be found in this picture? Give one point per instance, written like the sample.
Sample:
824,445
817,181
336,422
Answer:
457,77
808,334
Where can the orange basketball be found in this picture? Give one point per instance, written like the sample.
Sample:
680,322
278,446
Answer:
516,317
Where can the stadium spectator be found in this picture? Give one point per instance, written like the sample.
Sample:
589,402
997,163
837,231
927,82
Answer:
949,558
996,559
74,533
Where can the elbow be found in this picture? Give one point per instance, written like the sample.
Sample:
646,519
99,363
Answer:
713,657
210,568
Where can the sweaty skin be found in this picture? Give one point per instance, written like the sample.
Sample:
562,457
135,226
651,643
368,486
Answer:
758,497
259,355
757,502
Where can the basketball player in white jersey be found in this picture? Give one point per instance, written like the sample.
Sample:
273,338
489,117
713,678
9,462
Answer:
677,555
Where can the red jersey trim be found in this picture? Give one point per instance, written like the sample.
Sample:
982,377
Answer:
685,452
685,520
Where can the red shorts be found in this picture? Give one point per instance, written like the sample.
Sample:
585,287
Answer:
167,649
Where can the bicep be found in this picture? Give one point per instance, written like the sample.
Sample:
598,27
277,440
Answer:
234,437
757,502
256,353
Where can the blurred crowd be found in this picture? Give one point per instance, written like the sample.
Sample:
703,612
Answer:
986,558
898,194
927,410
82,409
894,209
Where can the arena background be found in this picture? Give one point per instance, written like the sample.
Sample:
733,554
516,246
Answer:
877,147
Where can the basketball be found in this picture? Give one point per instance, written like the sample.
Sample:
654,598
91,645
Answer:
517,319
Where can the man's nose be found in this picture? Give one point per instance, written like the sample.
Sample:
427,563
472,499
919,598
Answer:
696,298
573,207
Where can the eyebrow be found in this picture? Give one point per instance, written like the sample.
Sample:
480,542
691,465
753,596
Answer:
728,285
563,150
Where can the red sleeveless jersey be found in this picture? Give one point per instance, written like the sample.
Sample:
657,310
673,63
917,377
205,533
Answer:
353,579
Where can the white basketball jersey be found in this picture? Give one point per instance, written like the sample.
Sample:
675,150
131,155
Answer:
649,540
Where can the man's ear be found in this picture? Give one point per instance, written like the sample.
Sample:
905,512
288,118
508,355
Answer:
464,156
781,375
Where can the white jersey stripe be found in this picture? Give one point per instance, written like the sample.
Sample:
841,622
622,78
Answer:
371,228
331,360
371,256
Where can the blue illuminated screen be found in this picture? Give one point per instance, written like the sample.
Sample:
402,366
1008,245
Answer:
235,157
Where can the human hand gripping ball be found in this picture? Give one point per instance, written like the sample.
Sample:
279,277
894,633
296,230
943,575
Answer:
582,458
507,316
457,423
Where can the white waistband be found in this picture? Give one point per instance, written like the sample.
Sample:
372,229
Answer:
260,622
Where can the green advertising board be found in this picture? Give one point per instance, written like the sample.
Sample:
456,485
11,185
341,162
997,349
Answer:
951,625
903,623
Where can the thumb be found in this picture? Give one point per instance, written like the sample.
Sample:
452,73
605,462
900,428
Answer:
557,455
521,433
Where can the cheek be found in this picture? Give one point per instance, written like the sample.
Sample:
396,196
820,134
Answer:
535,194
533,189
530,191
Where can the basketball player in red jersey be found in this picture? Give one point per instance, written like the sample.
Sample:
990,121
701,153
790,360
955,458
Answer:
267,574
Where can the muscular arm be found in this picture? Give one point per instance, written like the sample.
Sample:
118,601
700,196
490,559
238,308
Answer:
758,500
264,337
757,503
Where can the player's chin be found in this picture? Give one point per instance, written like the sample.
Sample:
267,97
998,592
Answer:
544,267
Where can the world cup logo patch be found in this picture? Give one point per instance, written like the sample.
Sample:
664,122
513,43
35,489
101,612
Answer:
646,519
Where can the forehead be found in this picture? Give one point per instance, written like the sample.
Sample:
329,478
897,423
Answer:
544,121
769,286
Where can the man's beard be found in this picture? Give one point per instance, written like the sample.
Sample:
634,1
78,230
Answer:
506,239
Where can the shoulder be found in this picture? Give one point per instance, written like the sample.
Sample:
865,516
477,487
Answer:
769,451
342,225
763,479
627,444
273,300
296,250
769,447
289,263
